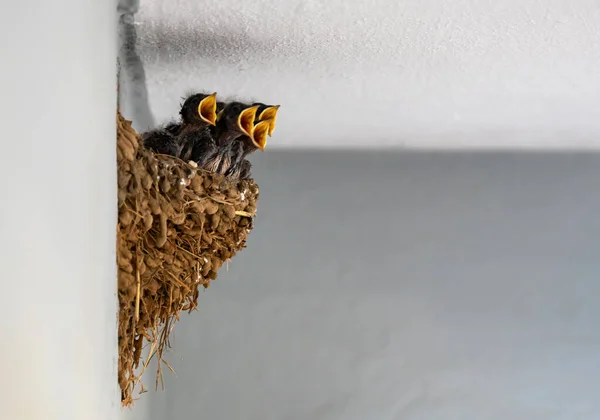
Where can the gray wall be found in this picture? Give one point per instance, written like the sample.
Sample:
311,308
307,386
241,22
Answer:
401,286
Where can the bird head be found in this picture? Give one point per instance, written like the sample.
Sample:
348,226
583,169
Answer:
238,119
200,109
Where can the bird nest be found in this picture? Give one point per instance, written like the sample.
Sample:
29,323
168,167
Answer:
177,226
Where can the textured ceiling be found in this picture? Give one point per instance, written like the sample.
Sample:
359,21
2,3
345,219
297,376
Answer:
436,73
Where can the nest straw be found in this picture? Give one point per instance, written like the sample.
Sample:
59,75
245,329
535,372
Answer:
177,226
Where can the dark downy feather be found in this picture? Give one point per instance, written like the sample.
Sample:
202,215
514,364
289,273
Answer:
245,170
197,145
162,142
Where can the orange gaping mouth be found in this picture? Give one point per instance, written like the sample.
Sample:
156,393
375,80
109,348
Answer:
270,114
259,134
246,120
207,109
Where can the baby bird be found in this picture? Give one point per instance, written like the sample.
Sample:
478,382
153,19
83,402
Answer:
180,139
241,169
198,112
267,112
235,120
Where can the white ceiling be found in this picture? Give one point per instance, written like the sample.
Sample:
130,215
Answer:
415,73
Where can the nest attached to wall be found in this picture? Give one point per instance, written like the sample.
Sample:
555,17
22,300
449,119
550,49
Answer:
177,226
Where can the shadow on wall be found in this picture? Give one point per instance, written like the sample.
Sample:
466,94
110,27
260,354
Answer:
224,45
157,40
133,94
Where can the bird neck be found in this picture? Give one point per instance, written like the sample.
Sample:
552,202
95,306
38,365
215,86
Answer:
226,138
248,147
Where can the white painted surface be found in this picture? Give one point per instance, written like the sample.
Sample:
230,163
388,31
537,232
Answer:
437,73
57,219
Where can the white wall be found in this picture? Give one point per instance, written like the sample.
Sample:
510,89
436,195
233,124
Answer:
437,73
57,219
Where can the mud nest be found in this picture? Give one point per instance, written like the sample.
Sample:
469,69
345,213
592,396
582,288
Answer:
177,226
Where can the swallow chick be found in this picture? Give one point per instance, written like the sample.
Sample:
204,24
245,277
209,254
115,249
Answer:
198,112
236,120
179,139
267,112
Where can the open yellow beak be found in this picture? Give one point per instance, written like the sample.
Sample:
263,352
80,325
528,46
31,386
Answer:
269,113
259,134
246,120
207,109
